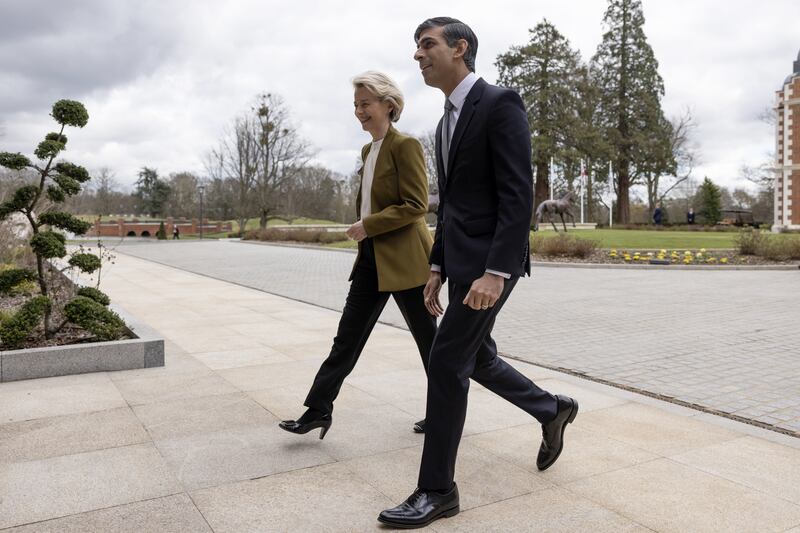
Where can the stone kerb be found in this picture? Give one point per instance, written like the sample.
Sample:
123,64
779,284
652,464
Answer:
145,350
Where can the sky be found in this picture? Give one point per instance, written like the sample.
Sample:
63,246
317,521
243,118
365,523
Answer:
162,79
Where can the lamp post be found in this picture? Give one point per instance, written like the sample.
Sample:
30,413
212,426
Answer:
201,189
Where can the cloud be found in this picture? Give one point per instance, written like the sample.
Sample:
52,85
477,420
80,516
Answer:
161,79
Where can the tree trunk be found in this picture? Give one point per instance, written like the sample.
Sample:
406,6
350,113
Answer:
262,222
623,193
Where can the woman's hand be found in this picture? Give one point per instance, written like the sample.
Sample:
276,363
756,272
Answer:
431,294
357,231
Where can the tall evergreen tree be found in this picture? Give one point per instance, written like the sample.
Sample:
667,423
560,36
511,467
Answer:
152,192
710,199
550,77
626,72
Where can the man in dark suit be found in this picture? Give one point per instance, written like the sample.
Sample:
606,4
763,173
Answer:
481,245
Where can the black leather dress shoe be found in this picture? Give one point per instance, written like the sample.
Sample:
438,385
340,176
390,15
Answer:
422,508
301,426
553,432
419,427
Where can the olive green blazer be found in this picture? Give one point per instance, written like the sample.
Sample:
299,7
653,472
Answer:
399,201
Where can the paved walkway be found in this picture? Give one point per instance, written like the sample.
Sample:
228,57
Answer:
728,342
194,446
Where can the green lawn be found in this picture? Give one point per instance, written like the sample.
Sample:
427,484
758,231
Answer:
654,240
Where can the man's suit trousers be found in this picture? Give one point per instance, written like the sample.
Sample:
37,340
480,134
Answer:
464,349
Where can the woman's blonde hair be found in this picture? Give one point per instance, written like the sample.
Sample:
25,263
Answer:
384,88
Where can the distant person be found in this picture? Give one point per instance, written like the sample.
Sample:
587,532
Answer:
690,216
393,248
658,215
176,233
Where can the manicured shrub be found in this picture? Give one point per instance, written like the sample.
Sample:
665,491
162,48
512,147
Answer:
15,330
94,317
11,278
95,294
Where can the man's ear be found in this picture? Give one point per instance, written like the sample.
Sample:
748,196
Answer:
461,48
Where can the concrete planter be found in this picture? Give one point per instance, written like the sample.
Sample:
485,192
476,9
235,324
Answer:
144,351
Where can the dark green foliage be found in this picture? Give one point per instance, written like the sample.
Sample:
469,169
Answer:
152,191
16,329
85,262
48,149
49,244
69,186
555,87
70,113
95,294
76,172
14,276
14,161
710,199
161,234
625,72
66,222
58,137
94,317
21,200
56,194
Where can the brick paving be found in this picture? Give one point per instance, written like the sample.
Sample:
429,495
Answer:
728,341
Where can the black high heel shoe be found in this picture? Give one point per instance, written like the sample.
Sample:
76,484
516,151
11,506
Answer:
302,426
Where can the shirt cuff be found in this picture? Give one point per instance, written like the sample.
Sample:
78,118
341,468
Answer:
501,274
436,268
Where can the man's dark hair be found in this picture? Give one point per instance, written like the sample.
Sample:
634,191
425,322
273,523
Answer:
454,30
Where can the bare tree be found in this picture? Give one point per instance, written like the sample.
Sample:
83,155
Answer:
684,150
283,153
237,158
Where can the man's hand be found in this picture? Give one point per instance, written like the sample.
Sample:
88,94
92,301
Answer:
484,292
431,294
357,231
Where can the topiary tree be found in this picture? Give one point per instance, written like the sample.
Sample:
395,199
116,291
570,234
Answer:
55,181
161,234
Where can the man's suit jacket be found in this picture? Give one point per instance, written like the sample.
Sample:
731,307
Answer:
399,202
486,197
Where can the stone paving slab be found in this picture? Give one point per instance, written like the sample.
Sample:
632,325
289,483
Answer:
725,341
194,446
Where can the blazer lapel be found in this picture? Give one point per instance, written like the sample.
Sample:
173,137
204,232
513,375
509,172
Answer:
463,119
383,155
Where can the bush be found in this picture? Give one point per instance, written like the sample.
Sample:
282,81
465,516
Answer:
95,294
779,248
87,263
94,317
563,246
295,235
749,241
772,247
15,330
11,278
161,234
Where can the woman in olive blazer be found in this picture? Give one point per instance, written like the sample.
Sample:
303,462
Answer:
393,247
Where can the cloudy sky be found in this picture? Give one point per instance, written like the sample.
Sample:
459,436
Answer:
162,78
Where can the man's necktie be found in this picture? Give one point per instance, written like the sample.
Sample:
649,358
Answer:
448,107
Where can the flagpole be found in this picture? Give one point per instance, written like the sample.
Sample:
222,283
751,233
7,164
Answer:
552,177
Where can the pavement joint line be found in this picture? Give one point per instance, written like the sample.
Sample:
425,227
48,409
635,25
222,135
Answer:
657,396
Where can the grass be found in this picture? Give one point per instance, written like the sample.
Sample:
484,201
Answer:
654,240
633,239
